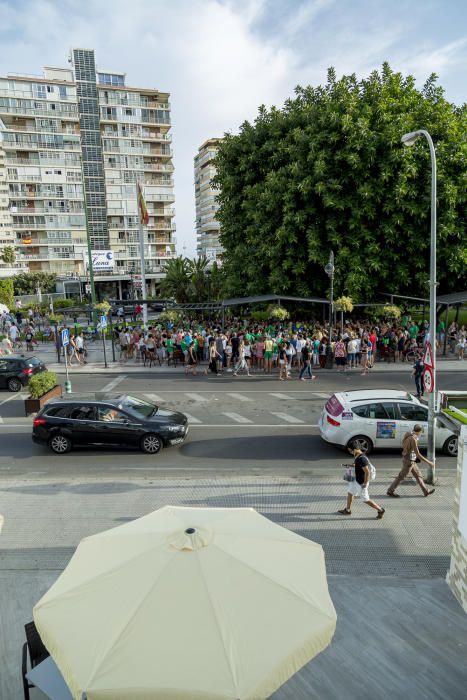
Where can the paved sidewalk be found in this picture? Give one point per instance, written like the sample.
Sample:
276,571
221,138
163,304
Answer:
48,353
395,612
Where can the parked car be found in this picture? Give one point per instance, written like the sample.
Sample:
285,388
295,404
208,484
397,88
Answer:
17,370
107,420
379,418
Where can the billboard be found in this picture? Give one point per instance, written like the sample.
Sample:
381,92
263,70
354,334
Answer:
211,254
101,260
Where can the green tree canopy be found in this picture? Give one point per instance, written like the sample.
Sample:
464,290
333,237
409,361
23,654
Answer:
6,293
328,171
8,255
28,282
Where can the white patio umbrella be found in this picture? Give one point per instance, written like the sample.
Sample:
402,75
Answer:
188,603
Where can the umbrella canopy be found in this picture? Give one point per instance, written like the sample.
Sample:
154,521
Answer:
188,604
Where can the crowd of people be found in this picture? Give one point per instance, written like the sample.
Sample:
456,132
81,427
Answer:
246,347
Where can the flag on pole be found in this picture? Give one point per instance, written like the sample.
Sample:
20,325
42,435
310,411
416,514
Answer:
143,212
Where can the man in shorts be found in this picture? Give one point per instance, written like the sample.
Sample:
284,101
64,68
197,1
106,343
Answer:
359,487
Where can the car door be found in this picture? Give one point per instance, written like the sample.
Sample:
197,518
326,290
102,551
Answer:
386,434
116,427
4,373
82,422
410,415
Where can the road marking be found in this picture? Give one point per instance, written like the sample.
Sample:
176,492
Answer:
196,397
14,397
1,419
191,419
155,398
240,397
282,396
111,385
237,417
321,396
286,417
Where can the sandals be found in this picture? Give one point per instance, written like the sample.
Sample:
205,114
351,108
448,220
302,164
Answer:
344,511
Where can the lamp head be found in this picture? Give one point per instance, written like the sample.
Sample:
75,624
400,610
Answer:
410,138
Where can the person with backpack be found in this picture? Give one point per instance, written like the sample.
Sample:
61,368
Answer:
364,473
417,374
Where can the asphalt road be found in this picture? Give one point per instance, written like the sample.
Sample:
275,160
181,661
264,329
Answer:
240,426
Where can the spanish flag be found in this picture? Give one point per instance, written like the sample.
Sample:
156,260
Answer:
143,212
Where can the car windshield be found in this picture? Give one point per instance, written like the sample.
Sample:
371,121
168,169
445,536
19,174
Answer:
33,361
139,406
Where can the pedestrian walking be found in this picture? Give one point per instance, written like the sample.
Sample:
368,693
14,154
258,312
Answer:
306,362
410,455
242,363
192,361
283,373
359,487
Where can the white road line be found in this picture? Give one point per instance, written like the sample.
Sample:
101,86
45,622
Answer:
1,419
111,385
14,397
237,417
240,397
321,396
286,417
155,398
196,397
192,419
282,396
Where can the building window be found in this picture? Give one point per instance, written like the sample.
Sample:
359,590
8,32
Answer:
62,91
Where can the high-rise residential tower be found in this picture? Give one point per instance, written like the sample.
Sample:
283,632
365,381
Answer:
207,226
75,142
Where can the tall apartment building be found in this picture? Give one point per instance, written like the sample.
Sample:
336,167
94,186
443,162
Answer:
207,226
75,142
7,236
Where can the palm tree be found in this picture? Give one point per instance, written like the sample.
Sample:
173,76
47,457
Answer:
177,279
197,269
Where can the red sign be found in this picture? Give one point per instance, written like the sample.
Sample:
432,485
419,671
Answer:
428,379
428,358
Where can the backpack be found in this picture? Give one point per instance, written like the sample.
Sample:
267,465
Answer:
372,469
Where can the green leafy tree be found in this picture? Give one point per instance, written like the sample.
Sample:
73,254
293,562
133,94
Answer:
177,279
9,255
6,292
28,282
216,287
328,171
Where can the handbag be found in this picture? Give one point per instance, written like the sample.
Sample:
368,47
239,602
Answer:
349,474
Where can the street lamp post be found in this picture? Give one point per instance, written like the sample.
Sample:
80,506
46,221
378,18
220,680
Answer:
409,140
329,270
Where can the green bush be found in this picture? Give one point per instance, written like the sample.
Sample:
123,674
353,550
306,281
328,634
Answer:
259,315
41,383
66,303
6,293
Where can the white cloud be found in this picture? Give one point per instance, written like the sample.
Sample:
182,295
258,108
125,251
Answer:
219,59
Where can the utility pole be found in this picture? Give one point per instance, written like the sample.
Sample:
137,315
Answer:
139,193
329,270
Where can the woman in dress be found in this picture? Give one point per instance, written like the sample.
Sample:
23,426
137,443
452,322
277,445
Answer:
191,364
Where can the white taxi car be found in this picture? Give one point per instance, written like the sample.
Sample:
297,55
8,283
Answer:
378,418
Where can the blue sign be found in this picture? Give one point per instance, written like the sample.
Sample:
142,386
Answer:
103,323
65,337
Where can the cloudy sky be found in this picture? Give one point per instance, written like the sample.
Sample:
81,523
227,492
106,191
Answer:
221,59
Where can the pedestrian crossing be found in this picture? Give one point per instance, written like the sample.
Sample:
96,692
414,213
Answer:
302,408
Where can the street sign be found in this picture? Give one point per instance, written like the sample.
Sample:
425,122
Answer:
103,323
87,289
65,337
428,379
428,360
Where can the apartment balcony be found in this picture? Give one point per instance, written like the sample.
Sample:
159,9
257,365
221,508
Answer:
44,226
164,167
32,111
52,256
154,136
45,210
25,178
51,242
8,270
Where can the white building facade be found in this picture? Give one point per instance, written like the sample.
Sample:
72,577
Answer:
75,143
207,226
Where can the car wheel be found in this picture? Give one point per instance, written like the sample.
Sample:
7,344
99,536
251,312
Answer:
362,442
151,444
60,444
14,384
450,447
